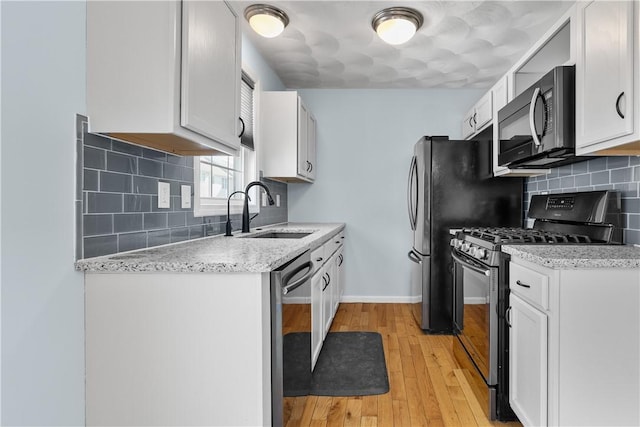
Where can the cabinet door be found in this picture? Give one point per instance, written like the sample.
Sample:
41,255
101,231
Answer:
338,289
311,146
483,113
317,325
303,129
604,72
468,126
327,296
210,91
528,363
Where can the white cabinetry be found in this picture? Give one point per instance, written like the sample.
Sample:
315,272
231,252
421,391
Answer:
528,362
317,323
326,285
574,345
288,138
153,80
478,117
607,116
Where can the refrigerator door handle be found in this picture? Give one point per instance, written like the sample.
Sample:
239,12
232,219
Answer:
412,202
413,257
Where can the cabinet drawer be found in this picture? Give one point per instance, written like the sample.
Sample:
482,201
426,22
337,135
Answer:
318,257
335,243
529,285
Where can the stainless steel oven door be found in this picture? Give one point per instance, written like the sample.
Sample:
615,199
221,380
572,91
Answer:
476,313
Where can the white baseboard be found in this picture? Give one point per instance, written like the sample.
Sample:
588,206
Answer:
381,299
475,300
296,300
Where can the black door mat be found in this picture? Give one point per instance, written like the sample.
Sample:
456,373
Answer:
350,364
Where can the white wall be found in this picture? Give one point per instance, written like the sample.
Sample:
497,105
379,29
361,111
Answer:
43,87
365,143
254,61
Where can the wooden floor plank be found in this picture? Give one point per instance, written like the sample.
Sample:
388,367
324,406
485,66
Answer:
353,415
337,412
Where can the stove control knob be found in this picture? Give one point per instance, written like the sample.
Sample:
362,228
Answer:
473,250
465,246
481,253
454,243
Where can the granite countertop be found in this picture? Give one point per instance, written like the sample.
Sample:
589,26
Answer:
217,254
577,256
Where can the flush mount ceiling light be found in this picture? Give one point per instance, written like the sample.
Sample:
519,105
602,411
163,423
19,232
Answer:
396,25
268,21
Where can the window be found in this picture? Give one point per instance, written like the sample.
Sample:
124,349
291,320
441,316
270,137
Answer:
216,177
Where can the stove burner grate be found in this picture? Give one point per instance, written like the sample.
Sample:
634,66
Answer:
499,235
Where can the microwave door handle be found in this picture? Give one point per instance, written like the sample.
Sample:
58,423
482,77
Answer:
532,116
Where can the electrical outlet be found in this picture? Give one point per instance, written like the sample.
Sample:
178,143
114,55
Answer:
185,193
277,200
264,199
164,195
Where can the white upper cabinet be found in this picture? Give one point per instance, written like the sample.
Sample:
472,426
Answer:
165,74
478,117
288,137
606,100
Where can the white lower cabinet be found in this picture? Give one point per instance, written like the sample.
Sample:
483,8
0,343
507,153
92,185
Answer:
574,345
317,324
528,362
326,288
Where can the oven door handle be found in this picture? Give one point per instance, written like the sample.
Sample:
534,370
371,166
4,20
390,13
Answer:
467,264
288,287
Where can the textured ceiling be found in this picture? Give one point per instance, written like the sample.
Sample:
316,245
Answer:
330,44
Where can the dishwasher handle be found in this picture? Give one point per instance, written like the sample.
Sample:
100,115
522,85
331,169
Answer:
288,287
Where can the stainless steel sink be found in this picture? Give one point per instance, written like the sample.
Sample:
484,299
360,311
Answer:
280,235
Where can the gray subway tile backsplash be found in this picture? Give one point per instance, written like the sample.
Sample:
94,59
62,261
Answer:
150,168
95,225
123,223
122,163
619,173
117,203
104,202
101,245
131,241
94,158
115,182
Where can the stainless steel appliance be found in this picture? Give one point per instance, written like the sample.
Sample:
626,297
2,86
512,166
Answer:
481,282
293,278
451,186
537,128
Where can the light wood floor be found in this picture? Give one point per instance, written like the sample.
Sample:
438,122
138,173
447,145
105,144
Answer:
427,385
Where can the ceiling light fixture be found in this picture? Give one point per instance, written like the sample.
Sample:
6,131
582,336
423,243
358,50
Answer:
268,21
396,25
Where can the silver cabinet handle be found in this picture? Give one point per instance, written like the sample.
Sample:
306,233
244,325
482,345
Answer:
532,117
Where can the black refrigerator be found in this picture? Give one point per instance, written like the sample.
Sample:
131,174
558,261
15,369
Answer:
451,185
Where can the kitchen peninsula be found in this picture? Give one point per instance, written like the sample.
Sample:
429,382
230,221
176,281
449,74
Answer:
180,334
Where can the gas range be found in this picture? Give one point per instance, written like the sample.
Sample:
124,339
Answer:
481,276
571,218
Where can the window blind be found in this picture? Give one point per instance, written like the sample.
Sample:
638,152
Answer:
246,110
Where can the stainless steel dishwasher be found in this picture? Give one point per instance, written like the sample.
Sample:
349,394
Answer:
292,277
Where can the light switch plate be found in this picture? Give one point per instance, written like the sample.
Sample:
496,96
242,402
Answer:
277,200
264,200
185,192
164,195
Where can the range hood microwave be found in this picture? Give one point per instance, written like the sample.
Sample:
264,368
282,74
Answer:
537,128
